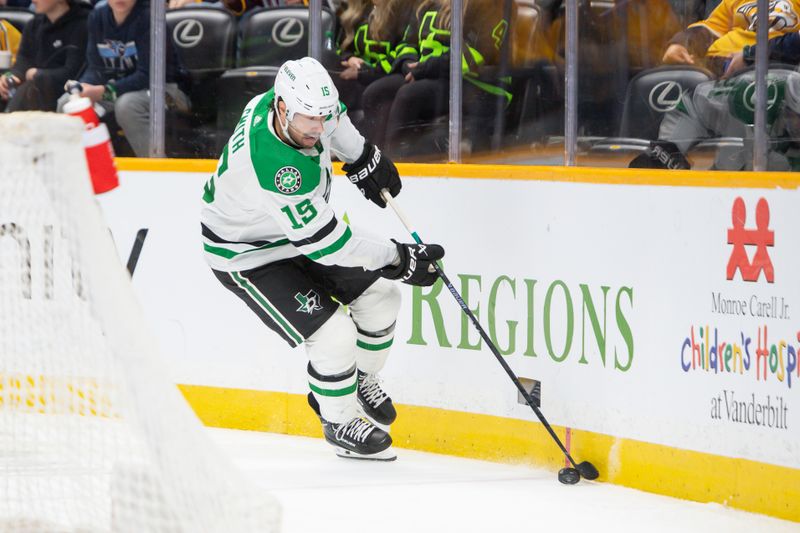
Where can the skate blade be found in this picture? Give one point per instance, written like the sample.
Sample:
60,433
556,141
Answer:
385,455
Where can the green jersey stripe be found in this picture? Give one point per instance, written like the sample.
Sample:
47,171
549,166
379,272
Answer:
264,304
333,248
374,347
228,254
334,393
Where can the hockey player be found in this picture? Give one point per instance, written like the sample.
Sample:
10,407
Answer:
272,239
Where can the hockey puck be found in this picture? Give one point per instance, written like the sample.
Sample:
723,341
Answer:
568,476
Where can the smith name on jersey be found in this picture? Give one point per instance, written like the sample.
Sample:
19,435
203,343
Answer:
268,201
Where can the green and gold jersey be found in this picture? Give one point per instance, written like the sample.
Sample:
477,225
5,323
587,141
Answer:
268,201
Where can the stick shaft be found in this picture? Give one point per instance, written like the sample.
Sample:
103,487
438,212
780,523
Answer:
391,202
136,251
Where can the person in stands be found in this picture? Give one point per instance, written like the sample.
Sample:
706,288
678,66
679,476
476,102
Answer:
118,71
52,50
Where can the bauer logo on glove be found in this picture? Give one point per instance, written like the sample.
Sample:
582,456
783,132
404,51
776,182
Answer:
372,172
414,264
367,170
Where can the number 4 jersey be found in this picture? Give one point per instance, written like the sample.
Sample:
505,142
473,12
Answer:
268,201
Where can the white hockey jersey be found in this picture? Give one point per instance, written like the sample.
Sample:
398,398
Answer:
268,201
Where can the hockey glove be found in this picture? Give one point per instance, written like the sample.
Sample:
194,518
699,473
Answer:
661,154
372,172
416,264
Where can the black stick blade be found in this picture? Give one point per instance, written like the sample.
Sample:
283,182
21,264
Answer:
587,470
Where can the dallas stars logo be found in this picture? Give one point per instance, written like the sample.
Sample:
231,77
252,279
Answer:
288,180
309,302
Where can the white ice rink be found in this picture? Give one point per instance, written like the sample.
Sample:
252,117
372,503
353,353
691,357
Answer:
421,492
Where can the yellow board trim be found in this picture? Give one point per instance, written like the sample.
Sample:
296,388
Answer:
703,477
612,176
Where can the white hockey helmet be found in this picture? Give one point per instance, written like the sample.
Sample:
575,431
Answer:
307,88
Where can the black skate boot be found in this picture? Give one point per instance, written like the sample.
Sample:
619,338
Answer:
357,439
374,401
314,404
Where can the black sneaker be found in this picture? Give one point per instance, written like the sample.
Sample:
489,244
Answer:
357,439
374,401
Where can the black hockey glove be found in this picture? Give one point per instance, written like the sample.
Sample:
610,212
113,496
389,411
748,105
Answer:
416,264
661,154
372,172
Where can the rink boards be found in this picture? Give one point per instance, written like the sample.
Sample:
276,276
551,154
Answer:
660,312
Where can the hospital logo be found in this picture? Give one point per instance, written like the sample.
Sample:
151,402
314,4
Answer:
287,180
309,302
757,237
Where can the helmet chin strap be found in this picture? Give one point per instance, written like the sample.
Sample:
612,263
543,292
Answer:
285,127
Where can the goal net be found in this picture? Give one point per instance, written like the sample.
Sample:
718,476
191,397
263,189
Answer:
93,436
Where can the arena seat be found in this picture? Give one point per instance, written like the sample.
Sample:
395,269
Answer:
650,95
204,37
237,87
17,16
270,36
267,38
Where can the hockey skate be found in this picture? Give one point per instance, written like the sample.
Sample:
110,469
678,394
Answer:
357,439
374,402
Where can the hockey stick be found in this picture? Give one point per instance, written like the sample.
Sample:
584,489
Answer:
136,251
566,475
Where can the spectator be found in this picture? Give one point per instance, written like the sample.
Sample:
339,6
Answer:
425,94
784,49
371,31
392,22
633,33
118,72
730,27
51,52
725,109
617,40
355,15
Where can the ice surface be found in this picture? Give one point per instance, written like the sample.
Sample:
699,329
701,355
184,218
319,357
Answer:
422,492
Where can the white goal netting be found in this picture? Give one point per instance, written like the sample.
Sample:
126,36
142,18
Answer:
93,436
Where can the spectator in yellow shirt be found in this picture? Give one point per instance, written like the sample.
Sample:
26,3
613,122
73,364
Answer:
728,29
